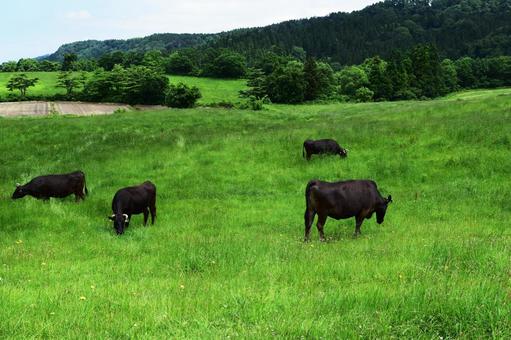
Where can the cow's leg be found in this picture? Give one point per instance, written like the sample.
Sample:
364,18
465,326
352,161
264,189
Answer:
146,215
358,223
309,218
152,208
79,196
320,224
309,155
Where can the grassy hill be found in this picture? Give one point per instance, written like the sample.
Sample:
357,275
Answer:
226,257
213,90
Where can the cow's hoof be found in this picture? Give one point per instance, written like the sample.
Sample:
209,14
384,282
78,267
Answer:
322,239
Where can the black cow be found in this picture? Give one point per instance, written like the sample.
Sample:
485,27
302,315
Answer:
322,146
132,201
341,200
44,187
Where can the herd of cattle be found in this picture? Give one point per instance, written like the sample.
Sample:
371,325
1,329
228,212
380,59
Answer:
338,200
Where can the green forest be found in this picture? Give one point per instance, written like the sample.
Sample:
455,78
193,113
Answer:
475,28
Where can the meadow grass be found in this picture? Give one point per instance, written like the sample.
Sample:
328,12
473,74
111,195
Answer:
46,86
212,90
226,258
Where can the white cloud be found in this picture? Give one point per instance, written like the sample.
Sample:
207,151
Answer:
78,15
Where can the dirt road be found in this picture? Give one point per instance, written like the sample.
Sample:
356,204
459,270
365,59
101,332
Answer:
43,108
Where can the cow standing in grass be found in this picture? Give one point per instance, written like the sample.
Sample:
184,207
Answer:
59,186
341,200
132,201
322,147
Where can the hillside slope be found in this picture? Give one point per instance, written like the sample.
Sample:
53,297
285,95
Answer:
458,27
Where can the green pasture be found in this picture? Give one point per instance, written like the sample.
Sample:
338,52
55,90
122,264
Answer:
226,257
212,90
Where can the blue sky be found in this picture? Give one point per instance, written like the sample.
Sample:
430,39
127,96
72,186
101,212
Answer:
32,28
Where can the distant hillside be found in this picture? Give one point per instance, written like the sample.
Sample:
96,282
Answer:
474,28
161,41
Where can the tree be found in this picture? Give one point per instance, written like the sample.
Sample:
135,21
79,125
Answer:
144,85
182,96
69,60
350,80
449,76
27,65
69,81
227,64
256,84
179,63
108,60
49,66
287,83
379,83
326,80
21,82
9,66
310,70
465,71
398,75
427,71
134,85
154,59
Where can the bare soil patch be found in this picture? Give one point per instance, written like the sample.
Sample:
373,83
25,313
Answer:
11,109
24,109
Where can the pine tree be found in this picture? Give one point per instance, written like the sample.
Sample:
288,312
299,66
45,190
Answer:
311,74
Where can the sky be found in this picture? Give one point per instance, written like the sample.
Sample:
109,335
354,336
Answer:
31,28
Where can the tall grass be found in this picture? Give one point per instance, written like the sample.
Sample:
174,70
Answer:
226,257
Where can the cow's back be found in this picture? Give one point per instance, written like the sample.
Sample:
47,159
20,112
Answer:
343,199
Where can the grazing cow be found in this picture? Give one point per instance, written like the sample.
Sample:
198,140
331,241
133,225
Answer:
341,200
44,187
322,146
131,201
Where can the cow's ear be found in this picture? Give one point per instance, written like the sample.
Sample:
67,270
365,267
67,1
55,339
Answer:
389,199
111,218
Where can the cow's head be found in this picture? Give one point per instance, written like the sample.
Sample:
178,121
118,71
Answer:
120,221
19,192
381,209
343,153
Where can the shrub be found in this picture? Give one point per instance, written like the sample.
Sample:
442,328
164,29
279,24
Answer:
182,96
364,94
254,103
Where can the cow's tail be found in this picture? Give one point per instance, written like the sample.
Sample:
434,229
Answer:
303,150
308,193
85,185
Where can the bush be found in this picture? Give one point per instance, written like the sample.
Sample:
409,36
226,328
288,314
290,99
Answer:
254,103
364,94
182,96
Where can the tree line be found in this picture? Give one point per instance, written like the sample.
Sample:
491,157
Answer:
418,73
217,63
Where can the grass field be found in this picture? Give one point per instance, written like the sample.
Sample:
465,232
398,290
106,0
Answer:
226,258
213,90
46,86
